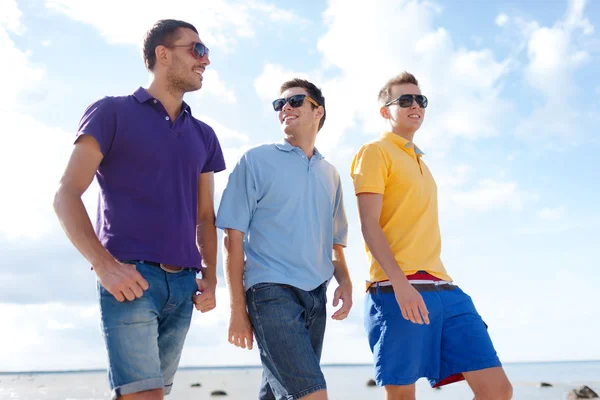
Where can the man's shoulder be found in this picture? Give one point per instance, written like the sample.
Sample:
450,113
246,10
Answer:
114,103
261,150
203,127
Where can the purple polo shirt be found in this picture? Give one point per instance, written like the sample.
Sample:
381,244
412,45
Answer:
148,201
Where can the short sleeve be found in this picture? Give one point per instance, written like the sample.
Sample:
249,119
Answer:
369,170
215,161
340,222
239,199
99,121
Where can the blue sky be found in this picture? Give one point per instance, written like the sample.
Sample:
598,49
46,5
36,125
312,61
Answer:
510,135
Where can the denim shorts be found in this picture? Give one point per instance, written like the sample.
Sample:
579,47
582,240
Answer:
455,341
144,337
289,325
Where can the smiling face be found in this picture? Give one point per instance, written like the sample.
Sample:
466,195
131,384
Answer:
300,120
184,71
404,121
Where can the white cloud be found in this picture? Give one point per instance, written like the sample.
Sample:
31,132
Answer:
551,214
220,23
32,154
501,19
268,83
469,78
214,85
554,55
492,194
18,77
10,17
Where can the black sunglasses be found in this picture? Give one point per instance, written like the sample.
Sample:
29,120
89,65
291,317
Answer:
294,101
406,100
199,50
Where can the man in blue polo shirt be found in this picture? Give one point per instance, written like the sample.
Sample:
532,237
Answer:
154,163
283,209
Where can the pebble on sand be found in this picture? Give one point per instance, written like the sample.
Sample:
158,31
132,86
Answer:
583,392
196,385
371,382
545,384
218,393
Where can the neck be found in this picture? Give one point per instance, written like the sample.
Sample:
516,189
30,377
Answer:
170,98
406,134
304,142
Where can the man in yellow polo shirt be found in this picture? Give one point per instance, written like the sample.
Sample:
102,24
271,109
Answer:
419,323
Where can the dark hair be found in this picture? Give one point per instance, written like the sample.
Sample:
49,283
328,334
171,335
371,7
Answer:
386,91
163,33
313,91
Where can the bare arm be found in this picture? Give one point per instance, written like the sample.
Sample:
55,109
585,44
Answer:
69,208
344,290
122,282
240,329
206,239
410,301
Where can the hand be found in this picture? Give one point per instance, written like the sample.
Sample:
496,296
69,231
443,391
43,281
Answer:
411,303
344,293
240,330
123,281
206,300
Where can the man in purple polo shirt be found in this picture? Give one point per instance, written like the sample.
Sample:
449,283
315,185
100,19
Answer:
155,230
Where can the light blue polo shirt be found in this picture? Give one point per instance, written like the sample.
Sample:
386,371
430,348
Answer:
291,210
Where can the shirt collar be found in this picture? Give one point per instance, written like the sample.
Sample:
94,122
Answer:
286,146
143,96
402,143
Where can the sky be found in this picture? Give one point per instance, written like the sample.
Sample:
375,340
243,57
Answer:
510,135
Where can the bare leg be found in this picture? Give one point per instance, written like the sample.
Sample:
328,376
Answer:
155,394
320,395
489,384
404,392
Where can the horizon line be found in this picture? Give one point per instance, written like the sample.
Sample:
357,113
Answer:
254,366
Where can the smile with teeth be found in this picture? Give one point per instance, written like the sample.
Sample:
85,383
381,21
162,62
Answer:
199,71
289,117
414,116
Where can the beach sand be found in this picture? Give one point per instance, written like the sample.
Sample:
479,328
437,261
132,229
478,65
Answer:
344,383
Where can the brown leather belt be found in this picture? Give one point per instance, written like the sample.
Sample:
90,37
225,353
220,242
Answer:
421,287
167,268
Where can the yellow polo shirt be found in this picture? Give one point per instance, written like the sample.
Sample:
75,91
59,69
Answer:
392,166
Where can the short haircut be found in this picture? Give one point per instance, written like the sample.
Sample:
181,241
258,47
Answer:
163,33
385,93
313,91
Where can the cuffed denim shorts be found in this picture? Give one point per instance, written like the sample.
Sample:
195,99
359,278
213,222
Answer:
455,341
289,325
144,337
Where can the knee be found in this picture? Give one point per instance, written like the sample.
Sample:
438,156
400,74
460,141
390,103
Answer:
500,392
506,392
399,392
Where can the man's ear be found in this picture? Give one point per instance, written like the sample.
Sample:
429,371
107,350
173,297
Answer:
385,112
320,112
162,54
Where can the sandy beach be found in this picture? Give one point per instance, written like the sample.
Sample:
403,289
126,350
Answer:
344,382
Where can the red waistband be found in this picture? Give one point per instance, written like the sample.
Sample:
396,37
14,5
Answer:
422,275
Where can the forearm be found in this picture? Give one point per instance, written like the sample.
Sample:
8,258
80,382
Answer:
76,223
340,271
234,272
381,251
206,239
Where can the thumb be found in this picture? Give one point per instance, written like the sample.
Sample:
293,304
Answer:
336,297
200,284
